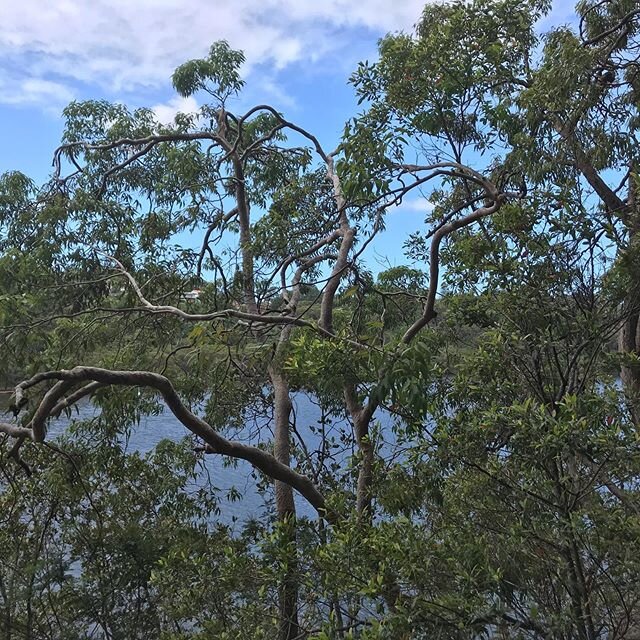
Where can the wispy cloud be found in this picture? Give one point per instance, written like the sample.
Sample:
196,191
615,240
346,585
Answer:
415,205
124,47
29,91
167,111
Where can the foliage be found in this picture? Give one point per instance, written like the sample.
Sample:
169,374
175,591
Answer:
474,468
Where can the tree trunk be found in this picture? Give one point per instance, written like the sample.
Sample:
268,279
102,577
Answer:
244,222
629,332
361,417
365,473
286,510
629,343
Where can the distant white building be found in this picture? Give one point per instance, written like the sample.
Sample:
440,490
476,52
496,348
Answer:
194,294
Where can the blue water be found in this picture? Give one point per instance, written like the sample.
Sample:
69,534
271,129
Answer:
334,445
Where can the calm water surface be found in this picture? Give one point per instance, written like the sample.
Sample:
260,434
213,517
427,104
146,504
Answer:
252,504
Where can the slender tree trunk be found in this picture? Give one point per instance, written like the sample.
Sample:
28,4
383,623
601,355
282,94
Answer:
286,510
577,587
629,332
361,417
285,505
244,221
365,474
629,343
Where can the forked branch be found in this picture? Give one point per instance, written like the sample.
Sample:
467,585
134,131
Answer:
92,377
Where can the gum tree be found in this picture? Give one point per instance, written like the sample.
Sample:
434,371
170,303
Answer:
529,150
527,472
271,214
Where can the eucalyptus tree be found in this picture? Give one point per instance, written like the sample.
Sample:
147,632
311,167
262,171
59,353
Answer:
271,216
559,115
518,448
529,461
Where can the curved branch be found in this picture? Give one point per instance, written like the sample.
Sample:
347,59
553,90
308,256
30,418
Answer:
216,443
622,23
122,165
147,143
279,319
74,397
14,430
287,262
454,169
38,423
289,125
222,218
428,312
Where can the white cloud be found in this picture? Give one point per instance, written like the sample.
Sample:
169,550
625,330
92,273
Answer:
419,205
128,46
279,98
34,91
378,15
53,49
167,111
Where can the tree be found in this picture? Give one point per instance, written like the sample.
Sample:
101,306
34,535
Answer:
133,183
538,419
513,449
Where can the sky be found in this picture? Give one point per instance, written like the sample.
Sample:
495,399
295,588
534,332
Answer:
299,54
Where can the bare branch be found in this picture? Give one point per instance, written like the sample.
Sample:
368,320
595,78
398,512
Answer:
74,397
428,312
216,443
14,430
347,233
205,242
269,319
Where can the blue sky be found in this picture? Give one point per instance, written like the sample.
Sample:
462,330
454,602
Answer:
299,56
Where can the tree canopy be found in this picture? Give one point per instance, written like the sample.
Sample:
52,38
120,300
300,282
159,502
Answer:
474,469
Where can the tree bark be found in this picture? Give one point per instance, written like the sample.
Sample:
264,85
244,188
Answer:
629,332
289,628
244,221
361,417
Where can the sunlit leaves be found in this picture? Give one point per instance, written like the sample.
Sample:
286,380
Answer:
218,73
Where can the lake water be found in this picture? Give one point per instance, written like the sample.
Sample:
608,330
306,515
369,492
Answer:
252,504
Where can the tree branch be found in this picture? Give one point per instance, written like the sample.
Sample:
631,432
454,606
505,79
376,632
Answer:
227,313
65,379
428,312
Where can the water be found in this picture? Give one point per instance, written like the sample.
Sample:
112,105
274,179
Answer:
330,440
